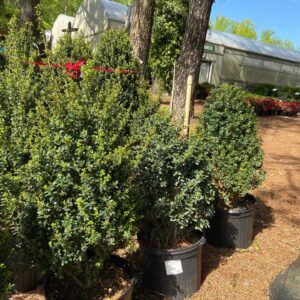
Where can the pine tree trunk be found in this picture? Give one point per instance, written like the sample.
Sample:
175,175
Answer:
28,13
141,22
191,52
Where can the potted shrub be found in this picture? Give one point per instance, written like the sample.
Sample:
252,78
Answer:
66,176
228,128
175,201
69,205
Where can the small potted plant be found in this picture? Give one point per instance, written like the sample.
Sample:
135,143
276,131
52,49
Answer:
228,128
175,201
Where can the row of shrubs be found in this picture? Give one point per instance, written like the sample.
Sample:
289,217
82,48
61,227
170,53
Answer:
270,106
263,106
269,90
87,163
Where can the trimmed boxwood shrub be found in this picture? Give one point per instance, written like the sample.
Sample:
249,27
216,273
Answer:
174,191
70,49
67,163
228,128
19,87
114,51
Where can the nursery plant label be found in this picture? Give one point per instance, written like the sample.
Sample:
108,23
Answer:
173,267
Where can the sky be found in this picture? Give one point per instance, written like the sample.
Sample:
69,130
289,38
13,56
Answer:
282,16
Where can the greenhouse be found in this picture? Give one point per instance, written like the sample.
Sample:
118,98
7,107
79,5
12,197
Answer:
234,59
96,16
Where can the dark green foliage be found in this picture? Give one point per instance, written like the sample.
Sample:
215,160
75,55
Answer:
228,129
174,193
203,90
264,89
66,165
114,51
167,35
50,9
5,275
8,10
70,50
285,93
18,91
74,192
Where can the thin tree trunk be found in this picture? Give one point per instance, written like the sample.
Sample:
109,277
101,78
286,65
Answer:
28,13
141,22
191,52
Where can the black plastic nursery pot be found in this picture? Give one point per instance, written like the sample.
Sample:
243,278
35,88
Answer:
233,228
174,273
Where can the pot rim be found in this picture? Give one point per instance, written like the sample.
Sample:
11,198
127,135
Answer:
176,251
240,210
128,290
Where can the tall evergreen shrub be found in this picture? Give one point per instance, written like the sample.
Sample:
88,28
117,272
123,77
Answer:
228,128
114,51
66,165
70,50
174,191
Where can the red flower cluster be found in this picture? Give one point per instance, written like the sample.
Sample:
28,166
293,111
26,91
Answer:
268,106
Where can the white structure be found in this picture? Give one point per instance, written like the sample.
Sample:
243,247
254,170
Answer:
234,59
60,23
95,16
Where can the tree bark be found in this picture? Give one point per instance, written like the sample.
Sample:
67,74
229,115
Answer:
191,53
28,13
141,22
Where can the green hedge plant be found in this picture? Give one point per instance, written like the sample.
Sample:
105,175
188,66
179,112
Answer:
66,165
174,191
69,206
228,129
114,51
70,49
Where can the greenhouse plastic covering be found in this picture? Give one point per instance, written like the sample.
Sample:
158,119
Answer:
60,23
236,42
114,10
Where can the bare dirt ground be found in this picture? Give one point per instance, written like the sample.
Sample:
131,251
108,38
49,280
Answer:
246,274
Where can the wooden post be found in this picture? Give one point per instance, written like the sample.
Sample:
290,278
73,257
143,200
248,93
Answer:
187,111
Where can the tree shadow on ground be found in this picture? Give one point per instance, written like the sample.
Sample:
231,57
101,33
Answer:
140,291
212,258
264,216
